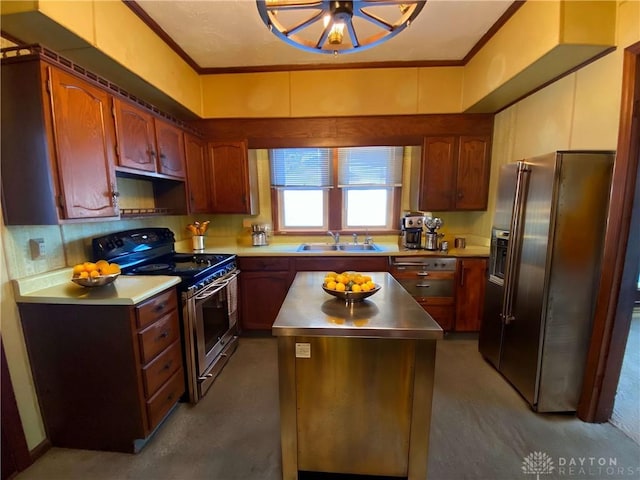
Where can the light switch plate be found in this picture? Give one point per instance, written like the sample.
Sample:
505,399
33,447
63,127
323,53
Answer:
37,248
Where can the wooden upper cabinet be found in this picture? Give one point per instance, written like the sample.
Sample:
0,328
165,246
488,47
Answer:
437,179
233,184
197,174
85,145
146,142
170,149
136,140
472,173
455,173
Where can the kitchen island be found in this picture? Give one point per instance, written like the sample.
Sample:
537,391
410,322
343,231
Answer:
356,380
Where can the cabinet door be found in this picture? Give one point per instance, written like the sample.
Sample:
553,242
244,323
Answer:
170,143
262,295
437,177
471,278
136,141
442,314
231,190
84,141
472,181
197,174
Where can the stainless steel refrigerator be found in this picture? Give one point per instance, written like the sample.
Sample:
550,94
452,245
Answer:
546,249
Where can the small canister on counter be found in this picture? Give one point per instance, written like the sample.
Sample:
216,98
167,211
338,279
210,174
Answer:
444,246
460,242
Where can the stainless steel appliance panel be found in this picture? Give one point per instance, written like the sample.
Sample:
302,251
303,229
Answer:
520,350
545,305
490,336
573,268
506,193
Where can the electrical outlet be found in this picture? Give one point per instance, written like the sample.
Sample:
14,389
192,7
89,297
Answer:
37,248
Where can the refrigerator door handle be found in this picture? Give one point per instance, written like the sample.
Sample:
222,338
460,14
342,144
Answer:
513,247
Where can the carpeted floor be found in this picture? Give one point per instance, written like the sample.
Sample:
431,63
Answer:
481,429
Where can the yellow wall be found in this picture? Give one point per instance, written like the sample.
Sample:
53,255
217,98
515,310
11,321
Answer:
82,28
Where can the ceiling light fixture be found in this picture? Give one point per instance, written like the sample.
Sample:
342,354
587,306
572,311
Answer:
324,26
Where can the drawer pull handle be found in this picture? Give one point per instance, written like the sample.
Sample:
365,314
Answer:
422,274
423,285
167,365
164,334
160,307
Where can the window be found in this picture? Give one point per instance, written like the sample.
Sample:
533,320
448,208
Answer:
320,189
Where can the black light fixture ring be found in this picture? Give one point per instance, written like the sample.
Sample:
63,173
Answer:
329,40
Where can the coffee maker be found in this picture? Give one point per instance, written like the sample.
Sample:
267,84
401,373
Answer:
432,237
412,224
259,235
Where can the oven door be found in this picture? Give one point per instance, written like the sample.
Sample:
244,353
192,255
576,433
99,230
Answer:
211,323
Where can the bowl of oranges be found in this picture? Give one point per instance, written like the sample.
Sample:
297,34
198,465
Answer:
349,286
95,274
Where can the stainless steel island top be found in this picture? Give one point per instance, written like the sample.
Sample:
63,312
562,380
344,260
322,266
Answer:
390,313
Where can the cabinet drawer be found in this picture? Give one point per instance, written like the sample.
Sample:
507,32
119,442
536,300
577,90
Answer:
158,336
167,396
160,369
156,307
263,263
342,264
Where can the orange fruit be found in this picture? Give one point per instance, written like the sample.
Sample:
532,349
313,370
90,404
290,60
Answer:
112,268
356,288
331,285
94,273
77,269
340,287
90,266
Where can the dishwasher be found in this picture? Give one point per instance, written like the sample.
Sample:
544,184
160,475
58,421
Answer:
430,281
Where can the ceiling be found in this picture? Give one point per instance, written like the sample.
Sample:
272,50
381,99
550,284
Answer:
228,35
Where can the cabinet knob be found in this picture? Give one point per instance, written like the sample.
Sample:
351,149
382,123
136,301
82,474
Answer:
460,195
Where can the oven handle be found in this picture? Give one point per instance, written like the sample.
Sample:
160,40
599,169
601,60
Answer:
215,287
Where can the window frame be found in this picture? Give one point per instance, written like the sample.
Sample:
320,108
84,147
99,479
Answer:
336,207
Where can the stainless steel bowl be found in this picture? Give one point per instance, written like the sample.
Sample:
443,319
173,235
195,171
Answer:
100,281
349,296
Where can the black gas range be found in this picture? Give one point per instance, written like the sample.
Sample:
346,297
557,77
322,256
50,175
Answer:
151,251
209,291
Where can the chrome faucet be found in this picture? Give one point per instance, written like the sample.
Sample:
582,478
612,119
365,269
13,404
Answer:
355,238
335,236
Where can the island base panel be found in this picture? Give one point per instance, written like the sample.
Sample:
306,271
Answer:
355,405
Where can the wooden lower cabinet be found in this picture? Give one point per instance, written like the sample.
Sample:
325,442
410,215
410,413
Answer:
263,283
444,313
105,375
470,287
342,264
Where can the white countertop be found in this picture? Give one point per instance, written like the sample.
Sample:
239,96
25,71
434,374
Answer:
57,287
215,245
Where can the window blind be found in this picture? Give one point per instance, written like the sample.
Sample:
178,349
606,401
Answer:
370,166
300,167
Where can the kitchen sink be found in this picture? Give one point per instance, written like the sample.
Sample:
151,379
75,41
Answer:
338,247
359,247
